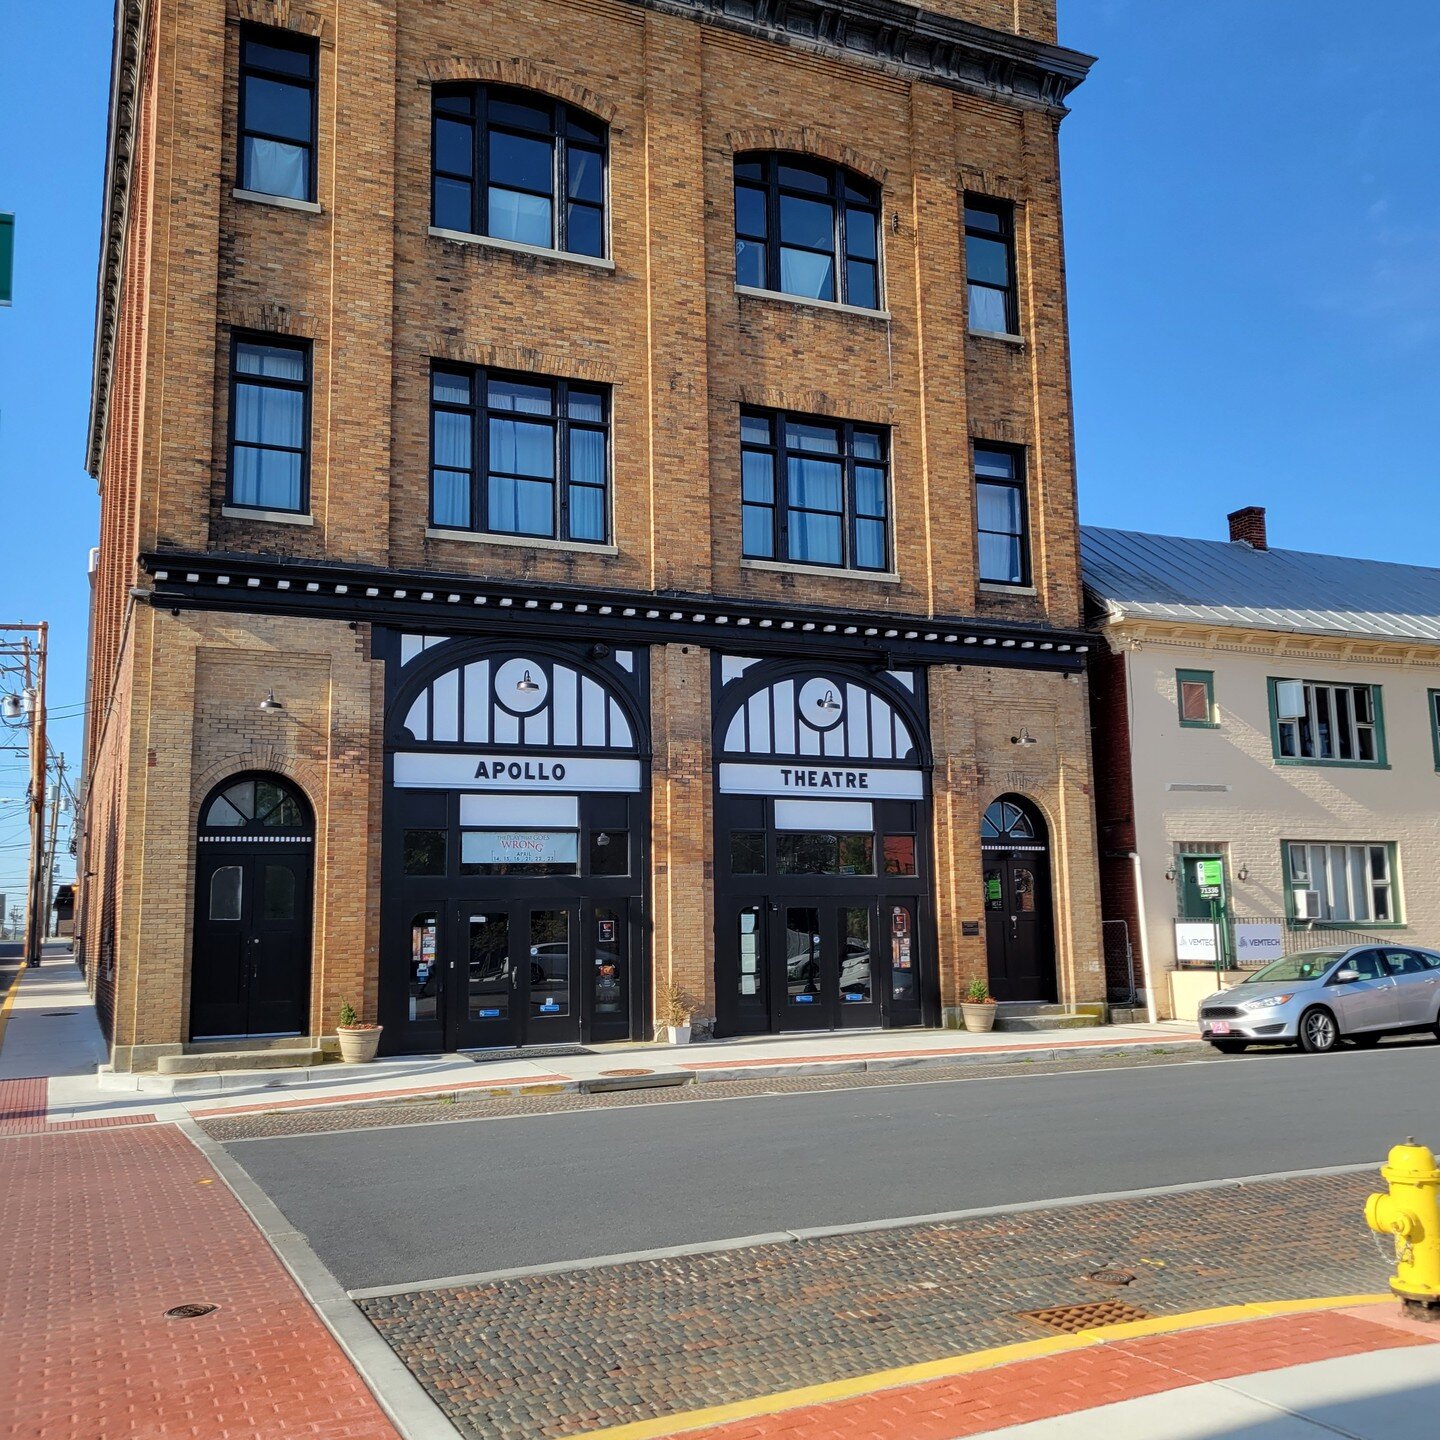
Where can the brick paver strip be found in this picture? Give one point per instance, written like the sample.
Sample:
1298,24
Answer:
24,1106
263,1121
1062,1384
555,1355
105,1231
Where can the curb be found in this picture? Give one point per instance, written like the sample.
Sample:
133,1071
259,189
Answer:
399,1394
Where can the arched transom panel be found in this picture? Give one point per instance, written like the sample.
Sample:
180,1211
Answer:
519,701
827,717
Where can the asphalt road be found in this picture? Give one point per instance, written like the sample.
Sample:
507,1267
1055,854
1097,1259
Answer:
390,1206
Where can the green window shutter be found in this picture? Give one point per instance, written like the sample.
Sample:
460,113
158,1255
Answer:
7,257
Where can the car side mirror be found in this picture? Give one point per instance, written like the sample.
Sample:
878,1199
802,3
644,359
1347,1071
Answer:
1346,977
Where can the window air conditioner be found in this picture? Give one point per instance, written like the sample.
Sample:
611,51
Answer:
1307,905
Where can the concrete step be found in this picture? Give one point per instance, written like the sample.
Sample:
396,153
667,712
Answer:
1059,1020
216,1062
1043,1007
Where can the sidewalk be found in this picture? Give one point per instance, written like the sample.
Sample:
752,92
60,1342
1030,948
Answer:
1280,1373
68,1046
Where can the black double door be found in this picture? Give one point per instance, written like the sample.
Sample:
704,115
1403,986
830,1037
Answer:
1019,934
821,962
511,972
250,968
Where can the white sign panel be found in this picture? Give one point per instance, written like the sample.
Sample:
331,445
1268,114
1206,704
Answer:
822,782
844,815
1258,944
430,770
1197,942
519,847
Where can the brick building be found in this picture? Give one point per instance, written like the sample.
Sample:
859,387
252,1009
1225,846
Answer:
588,502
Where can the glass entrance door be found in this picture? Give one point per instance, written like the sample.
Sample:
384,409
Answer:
824,964
512,976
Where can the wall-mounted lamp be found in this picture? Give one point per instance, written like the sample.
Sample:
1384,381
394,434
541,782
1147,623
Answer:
602,839
1243,873
526,684
827,701
1023,738
1170,871
270,702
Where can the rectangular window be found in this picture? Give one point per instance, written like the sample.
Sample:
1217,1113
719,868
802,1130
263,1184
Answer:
813,491
1350,884
1434,699
1195,695
1327,724
816,853
519,852
990,265
277,113
269,424
1001,516
519,455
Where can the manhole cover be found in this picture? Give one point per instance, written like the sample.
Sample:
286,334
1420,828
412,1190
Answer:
627,1072
1112,1277
188,1312
1071,1319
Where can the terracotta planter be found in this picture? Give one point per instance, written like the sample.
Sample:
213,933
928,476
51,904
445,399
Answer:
978,1018
678,1034
358,1043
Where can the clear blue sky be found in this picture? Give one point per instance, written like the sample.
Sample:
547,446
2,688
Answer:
1253,213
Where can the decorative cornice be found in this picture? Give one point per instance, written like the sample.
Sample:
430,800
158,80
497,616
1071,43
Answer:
454,604
125,82
1125,632
907,39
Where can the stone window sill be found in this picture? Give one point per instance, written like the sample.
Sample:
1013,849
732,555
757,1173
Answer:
751,292
514,247
881,577
269,517
524,542
281,202
992,587
1000,335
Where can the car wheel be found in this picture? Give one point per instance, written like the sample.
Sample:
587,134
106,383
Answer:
1319,1034
1368,1041
1230,1047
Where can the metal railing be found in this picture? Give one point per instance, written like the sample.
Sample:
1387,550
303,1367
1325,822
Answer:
1295,935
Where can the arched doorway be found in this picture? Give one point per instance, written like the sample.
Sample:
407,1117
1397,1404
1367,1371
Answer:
1019,934
515,845
822,813
254,861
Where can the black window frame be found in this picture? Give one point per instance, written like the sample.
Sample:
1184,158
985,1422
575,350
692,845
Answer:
780,506
293,41
479,411
1004,212
846,190
480,95
306,386
1020,483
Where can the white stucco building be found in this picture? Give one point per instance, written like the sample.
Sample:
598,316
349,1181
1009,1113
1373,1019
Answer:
1267,752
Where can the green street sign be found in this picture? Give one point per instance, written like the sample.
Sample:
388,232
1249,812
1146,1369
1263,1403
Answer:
7,257
1207,874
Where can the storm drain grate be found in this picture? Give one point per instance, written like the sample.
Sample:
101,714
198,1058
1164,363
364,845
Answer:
1071,1319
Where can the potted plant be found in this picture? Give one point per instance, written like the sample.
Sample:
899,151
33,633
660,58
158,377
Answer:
358,1040
977,1005
673,1010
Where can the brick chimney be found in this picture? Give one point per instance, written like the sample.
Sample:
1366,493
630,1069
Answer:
1248,527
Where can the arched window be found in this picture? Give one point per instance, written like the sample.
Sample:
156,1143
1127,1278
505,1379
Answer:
255,804
1010,822
807,227
518,166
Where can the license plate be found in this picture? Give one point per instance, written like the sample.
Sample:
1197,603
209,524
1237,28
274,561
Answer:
1219,1027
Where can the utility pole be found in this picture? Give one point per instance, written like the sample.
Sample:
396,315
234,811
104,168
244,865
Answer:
32,705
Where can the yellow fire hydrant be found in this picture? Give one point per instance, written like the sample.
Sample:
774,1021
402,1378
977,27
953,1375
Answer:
1411,1213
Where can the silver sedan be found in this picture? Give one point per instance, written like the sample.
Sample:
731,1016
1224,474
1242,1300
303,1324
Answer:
1316,998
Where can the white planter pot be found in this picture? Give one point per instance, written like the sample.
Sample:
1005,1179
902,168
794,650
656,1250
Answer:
978,1018
358,1046
678,1034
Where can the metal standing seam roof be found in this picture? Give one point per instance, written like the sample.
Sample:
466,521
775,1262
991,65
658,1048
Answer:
1131,575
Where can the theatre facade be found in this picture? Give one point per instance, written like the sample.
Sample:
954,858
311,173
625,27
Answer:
669,585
